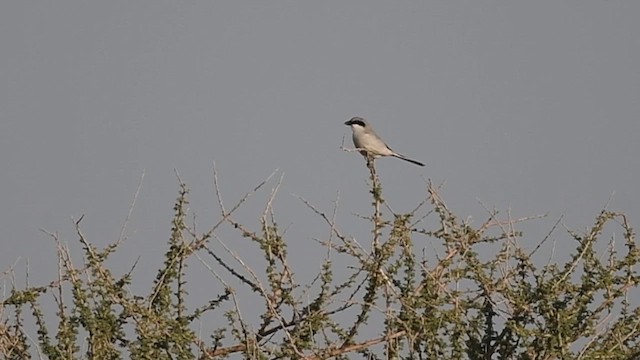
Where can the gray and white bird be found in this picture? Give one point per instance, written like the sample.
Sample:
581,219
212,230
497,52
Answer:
370,143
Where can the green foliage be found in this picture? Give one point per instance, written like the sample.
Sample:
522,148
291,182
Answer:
418,289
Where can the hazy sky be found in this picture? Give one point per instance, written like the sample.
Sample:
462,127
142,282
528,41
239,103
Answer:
531,105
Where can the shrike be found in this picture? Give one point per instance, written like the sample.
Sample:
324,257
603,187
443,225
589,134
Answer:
370,143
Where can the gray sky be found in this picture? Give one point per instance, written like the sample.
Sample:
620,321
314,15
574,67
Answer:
531,105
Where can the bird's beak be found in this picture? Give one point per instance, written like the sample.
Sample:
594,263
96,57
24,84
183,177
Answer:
347,122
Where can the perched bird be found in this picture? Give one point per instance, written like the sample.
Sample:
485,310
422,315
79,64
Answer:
370,144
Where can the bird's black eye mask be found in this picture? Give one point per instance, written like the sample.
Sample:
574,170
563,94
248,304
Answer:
355,121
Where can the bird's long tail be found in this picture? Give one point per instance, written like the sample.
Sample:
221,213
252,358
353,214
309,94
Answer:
399,156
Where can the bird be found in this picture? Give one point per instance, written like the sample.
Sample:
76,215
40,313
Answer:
370,144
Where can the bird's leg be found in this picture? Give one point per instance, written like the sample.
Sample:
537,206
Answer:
370,162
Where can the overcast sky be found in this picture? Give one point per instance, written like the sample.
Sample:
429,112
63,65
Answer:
527,105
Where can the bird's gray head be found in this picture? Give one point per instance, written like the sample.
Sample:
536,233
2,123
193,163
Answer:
357,121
